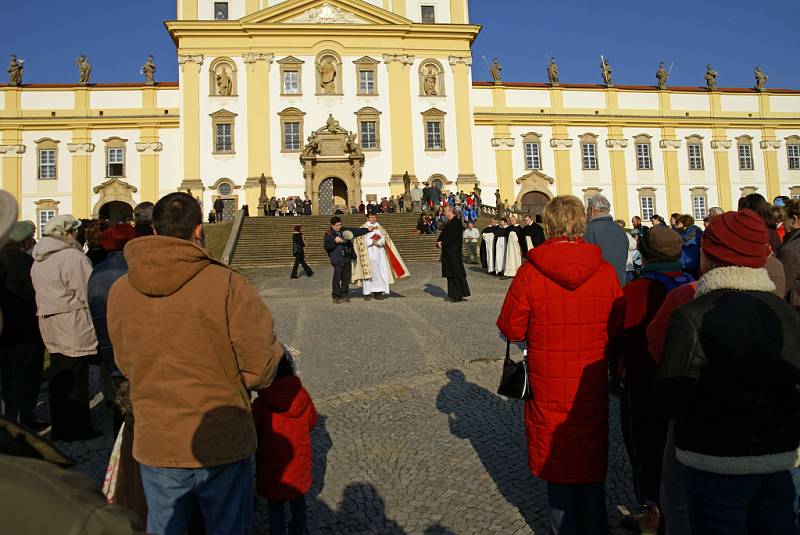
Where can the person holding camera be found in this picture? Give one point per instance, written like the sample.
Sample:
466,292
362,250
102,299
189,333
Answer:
338,244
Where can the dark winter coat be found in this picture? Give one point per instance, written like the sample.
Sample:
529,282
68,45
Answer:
284,416
452,237
17,297
104,275
730,373
298,245
341,253
613,242
789,255
690,254
564,304
536,234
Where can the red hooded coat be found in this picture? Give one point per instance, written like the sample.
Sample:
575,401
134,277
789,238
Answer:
562,304
284,415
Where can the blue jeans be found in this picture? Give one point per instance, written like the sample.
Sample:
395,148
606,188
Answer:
728,505
577,509
277,517
224,493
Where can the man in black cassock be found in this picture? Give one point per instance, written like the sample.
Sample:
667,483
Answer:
487,241
532,235
450,242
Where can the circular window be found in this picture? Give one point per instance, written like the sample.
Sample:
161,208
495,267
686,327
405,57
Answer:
225,189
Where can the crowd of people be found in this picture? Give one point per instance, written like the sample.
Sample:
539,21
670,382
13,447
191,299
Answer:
696,330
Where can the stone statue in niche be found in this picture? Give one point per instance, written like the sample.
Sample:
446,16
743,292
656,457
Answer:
496,71
149,71
711,78
15,71
224,82
327,75
84,69
430,81
605,72
662,76
761,80
552,72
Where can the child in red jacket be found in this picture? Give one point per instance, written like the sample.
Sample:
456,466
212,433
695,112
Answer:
284,416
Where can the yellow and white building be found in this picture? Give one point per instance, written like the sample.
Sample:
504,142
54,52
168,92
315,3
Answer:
258,77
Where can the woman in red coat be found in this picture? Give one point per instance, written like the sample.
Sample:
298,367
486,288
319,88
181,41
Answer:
565,303
284,416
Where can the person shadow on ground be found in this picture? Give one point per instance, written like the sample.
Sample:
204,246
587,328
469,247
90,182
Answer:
496,430
435,291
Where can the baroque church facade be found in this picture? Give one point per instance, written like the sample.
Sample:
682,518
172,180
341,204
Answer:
338,99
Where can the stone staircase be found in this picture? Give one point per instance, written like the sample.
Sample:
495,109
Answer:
267,241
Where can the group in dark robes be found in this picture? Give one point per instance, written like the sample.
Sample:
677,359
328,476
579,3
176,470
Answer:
451,243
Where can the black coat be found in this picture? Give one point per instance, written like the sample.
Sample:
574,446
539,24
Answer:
729,374
537,237
452,236
17,298
298,245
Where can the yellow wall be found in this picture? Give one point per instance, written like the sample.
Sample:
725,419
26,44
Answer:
466,170
400,113
191,121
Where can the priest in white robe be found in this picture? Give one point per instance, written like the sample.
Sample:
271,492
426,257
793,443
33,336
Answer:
513,248
378,264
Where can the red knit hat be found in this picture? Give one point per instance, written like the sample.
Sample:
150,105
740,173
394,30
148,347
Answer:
115,238
737,239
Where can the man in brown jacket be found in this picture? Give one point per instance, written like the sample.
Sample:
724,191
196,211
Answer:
193,338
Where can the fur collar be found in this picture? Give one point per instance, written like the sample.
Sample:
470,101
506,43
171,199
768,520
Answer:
735,278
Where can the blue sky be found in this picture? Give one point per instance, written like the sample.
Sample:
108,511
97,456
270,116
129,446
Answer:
732,35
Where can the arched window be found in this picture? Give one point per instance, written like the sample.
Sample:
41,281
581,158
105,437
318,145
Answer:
644,158
589,152
694,148
744,144
532,146
47,158
115,157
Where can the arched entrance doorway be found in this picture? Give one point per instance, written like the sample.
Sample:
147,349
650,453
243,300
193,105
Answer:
332,195
533,203
116,212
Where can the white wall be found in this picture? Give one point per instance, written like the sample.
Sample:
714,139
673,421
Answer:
526,98
584,99
690,102
637,101
784,103
168,98
47,100
119,99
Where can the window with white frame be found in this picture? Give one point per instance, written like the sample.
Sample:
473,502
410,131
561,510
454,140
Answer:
428,14
115,162
291,136
369,135
793,152
643,160
699,207
433,135
291,82
695,156
47,163
366,82
224,139
532,158
44,217
647,207
589,156
220,10
745,156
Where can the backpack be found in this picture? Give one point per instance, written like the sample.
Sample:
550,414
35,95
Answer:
670,283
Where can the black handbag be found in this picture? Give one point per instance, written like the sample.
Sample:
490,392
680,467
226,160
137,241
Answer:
514,383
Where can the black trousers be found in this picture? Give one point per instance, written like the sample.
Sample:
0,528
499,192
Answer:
298,260
21,371
340,286
457,287
69,397
644,431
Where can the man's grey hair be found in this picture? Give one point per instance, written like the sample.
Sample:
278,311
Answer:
598,203
143,213
715,211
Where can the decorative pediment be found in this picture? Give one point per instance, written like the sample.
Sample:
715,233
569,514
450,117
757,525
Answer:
324,12
116,188
536,178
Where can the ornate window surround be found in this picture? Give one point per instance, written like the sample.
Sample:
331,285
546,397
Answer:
695,141
291,63
745,140
643,139
291,115
367,64
223,116
434,115
369,114
589,139
535,138
46,143
647,192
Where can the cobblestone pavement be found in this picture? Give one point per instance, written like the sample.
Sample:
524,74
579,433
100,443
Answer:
412,438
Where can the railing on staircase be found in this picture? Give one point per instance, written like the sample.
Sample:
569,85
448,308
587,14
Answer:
230,245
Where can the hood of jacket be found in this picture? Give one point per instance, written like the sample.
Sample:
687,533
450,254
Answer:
286,396
48,246
567,263
159,266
